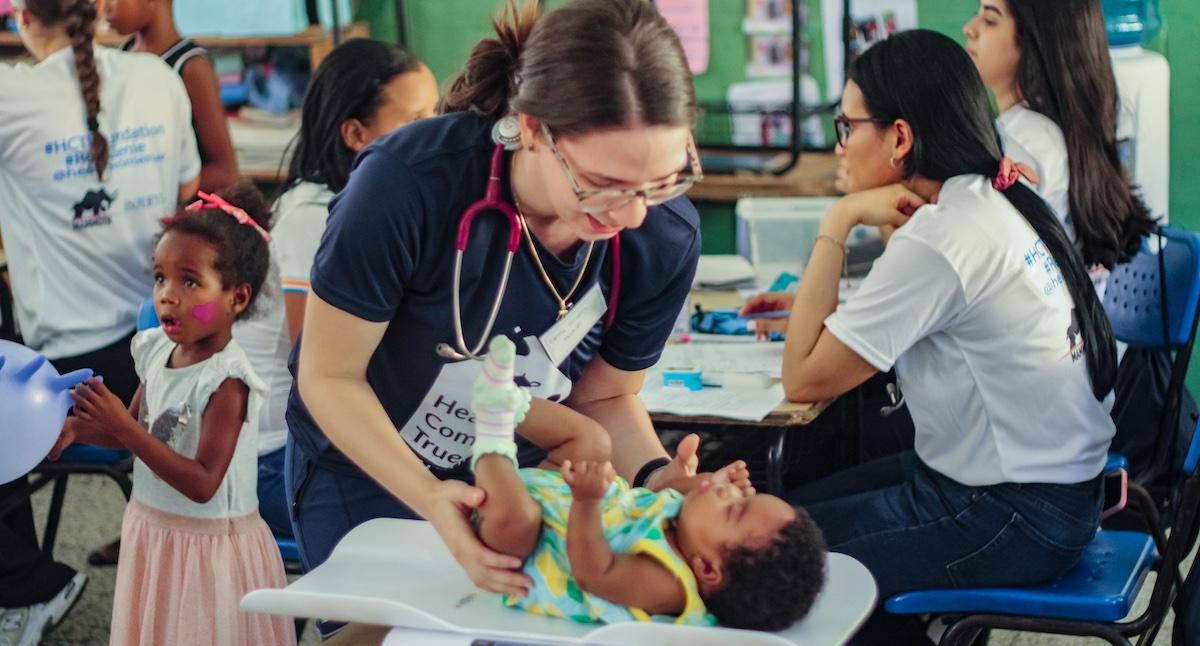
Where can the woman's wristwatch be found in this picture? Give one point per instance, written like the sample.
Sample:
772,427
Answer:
648,470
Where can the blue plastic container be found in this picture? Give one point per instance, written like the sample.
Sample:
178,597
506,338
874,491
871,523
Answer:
1131,22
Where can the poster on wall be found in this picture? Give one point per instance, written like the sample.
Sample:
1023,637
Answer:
768,29
870,22
689,19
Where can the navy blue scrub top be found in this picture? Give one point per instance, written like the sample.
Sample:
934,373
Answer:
387,254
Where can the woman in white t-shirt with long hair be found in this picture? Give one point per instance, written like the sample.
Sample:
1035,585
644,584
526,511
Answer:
1048,65
986,310
363,90
95,147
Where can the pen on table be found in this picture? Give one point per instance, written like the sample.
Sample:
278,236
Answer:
773,314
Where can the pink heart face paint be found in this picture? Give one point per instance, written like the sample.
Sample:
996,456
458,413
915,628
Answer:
205,312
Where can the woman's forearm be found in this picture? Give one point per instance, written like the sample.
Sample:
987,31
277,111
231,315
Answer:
634,442
816,298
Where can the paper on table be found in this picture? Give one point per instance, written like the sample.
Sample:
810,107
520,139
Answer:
689,18
724,270
750,403
764,358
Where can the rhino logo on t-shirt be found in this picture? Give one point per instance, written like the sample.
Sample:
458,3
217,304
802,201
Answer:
98,201
1075,337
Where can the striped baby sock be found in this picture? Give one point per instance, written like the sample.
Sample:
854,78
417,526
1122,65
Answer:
498,403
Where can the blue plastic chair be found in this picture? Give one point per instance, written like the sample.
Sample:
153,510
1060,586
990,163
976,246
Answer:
1134,300
1093,597
290,553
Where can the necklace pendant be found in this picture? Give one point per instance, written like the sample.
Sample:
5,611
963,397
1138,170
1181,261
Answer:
562,311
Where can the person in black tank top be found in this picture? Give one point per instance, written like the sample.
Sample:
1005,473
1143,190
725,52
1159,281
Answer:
152,29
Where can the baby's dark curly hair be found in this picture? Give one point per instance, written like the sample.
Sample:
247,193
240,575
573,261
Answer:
243,256
772,586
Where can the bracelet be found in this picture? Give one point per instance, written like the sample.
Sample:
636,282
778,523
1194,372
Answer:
845,254
648,469
841,245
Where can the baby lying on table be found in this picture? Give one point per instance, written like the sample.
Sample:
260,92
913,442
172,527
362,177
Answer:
599,551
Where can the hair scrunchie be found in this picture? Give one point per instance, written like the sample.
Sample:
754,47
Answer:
1011,171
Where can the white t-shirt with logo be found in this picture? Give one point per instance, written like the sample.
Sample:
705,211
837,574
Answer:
79,250
264,338
972,310
301,214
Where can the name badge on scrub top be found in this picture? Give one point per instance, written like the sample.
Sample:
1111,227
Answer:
563,337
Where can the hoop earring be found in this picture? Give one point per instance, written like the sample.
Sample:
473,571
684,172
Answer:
892,162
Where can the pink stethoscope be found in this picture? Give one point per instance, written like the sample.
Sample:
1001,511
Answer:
493,202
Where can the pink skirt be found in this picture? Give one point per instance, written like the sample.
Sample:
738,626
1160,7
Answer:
180,579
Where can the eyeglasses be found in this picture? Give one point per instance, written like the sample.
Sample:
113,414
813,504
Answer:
610,199
844,125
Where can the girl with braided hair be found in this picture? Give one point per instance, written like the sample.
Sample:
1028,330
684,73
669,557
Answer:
96,147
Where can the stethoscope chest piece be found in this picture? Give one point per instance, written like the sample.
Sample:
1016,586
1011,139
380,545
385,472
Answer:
507,133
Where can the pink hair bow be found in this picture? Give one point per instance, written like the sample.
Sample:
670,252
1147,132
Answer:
210,201
1011,171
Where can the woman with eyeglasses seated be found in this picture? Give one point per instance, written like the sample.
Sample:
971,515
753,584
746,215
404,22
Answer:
599,98
984,306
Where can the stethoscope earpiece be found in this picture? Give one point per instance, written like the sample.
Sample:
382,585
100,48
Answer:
507,133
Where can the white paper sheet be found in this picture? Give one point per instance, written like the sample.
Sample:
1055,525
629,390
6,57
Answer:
723,271
762,358
749,403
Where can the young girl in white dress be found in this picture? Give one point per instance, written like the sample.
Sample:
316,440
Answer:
192,540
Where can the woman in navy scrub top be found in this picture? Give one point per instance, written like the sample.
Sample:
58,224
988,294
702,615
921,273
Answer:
380,423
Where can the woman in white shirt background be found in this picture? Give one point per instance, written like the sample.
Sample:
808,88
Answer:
985,308
1048,65
96,146
363,90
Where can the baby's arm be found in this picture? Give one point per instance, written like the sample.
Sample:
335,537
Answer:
565,434
634,581
198,478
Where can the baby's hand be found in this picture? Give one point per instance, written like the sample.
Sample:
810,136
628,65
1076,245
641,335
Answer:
589,481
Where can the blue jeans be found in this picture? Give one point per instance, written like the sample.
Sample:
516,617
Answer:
325,505
272,493
916,529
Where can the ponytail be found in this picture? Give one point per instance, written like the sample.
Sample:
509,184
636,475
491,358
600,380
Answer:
487,82
928,80
1098,341
78,18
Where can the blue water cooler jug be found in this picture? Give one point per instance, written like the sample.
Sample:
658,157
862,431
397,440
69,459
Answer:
1131,22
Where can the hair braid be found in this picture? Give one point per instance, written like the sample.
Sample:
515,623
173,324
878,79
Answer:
80,24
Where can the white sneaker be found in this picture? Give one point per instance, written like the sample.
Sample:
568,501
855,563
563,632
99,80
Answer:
24,626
